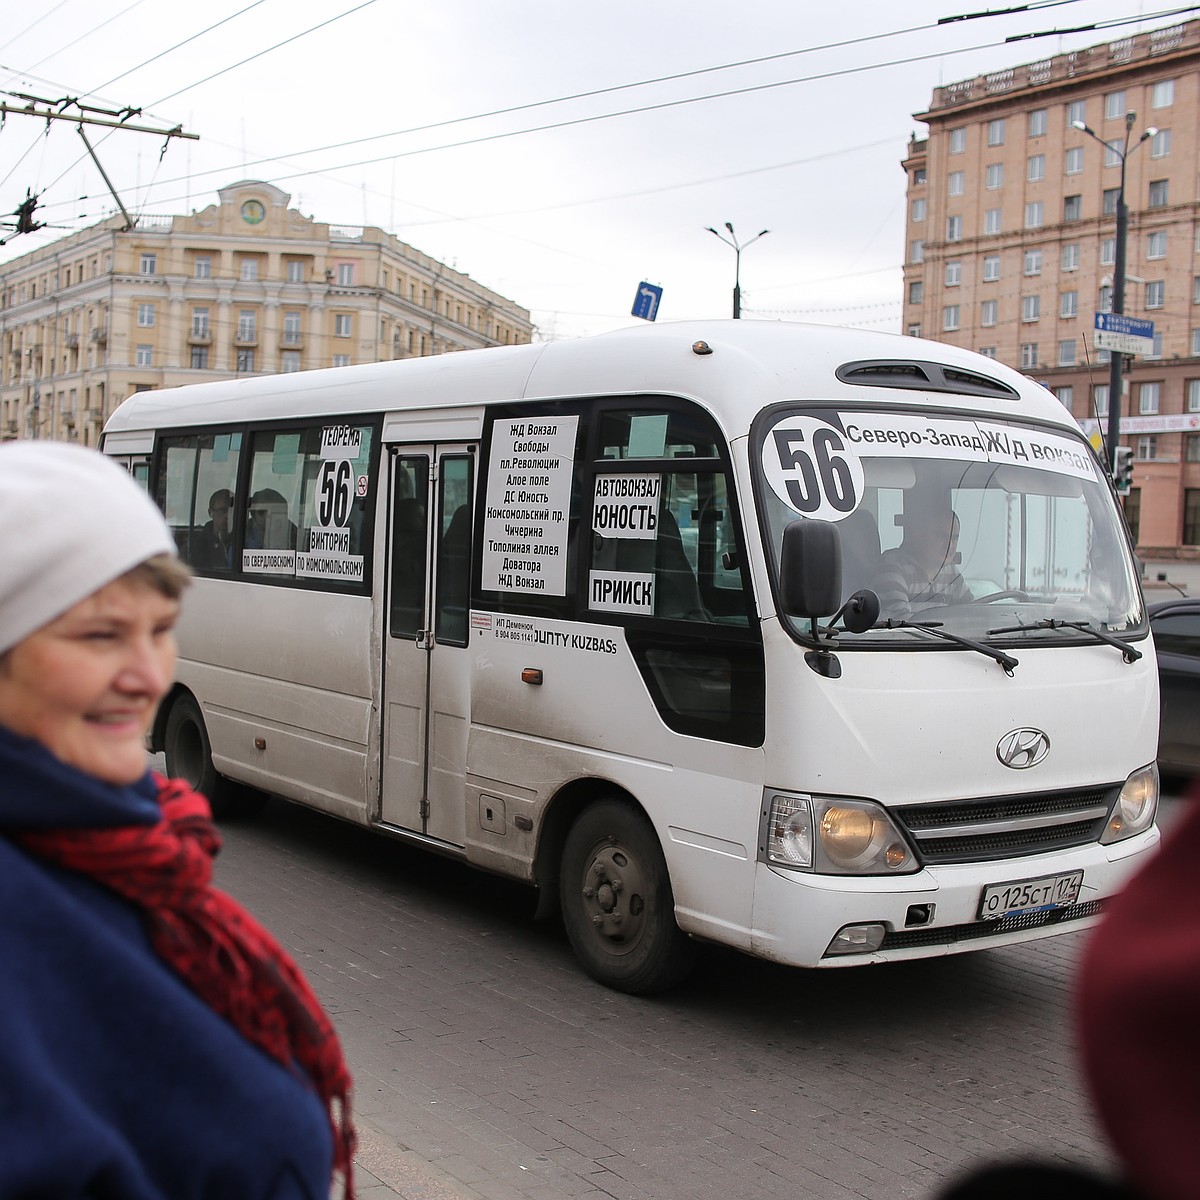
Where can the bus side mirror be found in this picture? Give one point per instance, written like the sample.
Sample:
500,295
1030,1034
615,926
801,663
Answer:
810,569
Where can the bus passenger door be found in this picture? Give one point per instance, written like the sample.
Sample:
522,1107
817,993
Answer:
426,679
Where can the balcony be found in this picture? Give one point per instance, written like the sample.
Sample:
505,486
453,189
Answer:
71,341
200,335
292,340
99,335
246,338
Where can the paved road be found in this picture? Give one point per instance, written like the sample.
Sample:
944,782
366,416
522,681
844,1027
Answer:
488,1066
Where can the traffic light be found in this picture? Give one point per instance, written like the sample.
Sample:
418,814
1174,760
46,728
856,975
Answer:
1123,470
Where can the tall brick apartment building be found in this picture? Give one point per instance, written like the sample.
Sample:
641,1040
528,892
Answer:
1011,235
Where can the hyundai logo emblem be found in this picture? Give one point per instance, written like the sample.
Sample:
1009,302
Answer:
1021,748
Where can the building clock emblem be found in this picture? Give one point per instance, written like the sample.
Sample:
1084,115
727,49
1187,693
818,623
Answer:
253,212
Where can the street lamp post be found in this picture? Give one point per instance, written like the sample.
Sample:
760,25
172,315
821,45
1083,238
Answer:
1117,360
738,247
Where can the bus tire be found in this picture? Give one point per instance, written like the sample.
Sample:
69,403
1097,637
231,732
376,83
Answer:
617,903
189,757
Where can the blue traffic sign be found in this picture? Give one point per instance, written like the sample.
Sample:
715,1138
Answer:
645,303
1120,323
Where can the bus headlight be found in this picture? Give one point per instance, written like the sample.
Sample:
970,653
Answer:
833,836
1134,810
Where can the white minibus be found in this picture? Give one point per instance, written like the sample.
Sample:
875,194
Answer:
825,645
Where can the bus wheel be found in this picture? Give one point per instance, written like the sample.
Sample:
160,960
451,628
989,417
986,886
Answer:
617,904
189,757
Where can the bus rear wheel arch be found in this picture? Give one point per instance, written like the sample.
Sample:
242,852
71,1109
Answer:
189,757
616,901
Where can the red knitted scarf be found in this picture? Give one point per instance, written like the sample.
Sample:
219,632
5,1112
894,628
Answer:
224,955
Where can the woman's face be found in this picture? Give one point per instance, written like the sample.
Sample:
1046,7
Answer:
86,686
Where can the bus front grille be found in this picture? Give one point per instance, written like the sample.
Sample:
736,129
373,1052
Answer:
1006,826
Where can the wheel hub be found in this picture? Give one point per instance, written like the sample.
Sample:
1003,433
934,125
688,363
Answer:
614,895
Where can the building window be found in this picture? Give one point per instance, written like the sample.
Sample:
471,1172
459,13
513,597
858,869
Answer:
954,272
1033,262
1193,395
1147,447
1113,151
916,251
247,326
199,358
1162,93
1066,353
1160,144
1035,168
341,360
1106,298
1108,202
1156,345
958,140
1191,517
1108,251
290,361
1158,194
249,270
1073,161
1029,358
1035,216
345,274
291,328
1037,122
1100,399
1070,256
1148,394
341,325
920,175
916,292
245,361
1155,293
1156,245
988,312
1031,308
295,270
1076,111
199,322
1066,396
145,356
1072,208
994,176
1191,447
918,210
1068,305
1195,351
991,268
145,315
991,220
954,229
988,351
149,264
914,331
950,317
1196,289
1114,105
995,132
956,183
203,266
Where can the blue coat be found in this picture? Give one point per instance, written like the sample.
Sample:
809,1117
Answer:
115,1079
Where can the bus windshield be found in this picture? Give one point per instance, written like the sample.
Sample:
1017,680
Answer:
991,530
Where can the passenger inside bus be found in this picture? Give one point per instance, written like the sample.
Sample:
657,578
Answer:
212,544
268,526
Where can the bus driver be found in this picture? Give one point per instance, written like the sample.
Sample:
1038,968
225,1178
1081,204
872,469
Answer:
922,571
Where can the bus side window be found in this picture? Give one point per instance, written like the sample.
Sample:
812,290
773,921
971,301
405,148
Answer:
409,539
454,551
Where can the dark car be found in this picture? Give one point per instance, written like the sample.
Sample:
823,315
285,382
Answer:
1176,628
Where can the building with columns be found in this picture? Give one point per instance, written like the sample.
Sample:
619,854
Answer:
1011,235
246,286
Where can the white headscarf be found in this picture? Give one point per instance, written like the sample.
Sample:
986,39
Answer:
71,520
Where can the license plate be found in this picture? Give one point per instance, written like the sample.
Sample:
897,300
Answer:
1029,895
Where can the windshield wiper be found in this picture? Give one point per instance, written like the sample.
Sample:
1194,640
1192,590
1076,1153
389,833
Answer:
1128,653
935,627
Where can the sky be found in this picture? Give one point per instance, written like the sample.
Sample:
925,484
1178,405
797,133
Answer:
559,153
